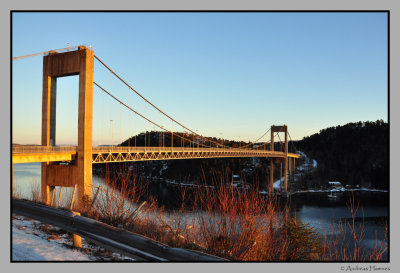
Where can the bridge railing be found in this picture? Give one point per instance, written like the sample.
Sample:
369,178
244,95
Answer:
124,149
150,149
42,149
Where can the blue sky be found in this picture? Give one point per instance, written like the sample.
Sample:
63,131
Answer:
222,74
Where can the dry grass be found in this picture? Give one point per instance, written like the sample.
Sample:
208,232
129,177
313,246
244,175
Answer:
242,225
36,192
117,202
233,223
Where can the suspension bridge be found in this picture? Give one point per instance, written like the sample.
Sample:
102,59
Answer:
67,166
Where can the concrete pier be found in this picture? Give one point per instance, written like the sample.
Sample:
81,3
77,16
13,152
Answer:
79,62
281,129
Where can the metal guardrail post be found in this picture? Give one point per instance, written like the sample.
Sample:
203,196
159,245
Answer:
59,197
77,240
73,198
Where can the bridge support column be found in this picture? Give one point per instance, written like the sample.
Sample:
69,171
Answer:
47,191
286,159
55,65
272,162
281,184
290,170
272,176
294,164
293,168
286,175
282,129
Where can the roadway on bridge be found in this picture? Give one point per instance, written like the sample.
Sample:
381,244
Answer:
28,154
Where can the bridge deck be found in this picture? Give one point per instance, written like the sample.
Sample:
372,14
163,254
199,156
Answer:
25,154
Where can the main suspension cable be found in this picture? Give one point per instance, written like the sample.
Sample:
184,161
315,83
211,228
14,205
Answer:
257,139
165,114
43,53
292,142
146,100
150,121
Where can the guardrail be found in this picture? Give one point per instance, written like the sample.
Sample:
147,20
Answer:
156,149
125,149
42,149
16,149
115,239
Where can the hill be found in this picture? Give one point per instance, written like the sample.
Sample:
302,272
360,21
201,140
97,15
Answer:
355,154
194,170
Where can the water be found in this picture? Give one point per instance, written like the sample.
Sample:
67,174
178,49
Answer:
325,214
316,209
27,179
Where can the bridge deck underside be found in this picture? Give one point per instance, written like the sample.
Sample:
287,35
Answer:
42,157
126,154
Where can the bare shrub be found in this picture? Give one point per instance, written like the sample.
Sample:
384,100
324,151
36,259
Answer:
235,223
36,192
346,242
117,201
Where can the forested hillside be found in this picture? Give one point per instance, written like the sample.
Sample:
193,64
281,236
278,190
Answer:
251,170
355,153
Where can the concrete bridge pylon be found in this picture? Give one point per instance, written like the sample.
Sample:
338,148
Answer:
79,62
288,166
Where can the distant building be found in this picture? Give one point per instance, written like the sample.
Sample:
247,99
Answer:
236,180
335,184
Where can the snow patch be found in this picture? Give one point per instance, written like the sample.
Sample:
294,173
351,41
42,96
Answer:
301,153
277,183
164,167
29,244
32,244
308,163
